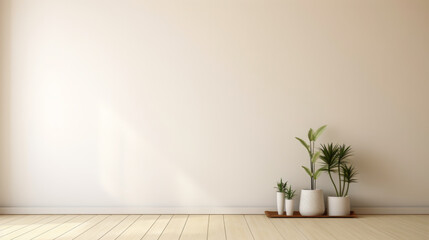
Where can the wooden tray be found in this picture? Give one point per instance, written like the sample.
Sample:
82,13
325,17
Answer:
273,214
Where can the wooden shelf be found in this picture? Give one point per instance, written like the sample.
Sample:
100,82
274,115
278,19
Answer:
273,214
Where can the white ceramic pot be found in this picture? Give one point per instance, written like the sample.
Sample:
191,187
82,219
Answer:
280,203
338,206
289,207
311,203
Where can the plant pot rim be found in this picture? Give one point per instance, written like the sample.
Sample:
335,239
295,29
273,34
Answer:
339,197
289,199
311,190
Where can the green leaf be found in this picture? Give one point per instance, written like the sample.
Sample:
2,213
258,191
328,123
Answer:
317,173
308,171
319,132
310,135
303,143
315,157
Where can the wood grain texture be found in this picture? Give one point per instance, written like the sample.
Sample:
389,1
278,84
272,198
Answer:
261,228
30,227
216,229
102,228
116,231
75,232
138,229
157,228
236,228
59,227
212,227
174,228
195,228
20,223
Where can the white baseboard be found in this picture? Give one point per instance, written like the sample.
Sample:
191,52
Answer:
130,210
190,210
391,210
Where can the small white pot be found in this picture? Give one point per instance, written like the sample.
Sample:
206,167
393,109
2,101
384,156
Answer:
280,203
311,203
338,206
289,207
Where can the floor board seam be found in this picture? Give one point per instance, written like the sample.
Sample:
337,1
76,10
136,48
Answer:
128,227
114,226
162,232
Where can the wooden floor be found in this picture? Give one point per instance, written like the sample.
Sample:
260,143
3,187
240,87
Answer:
231,227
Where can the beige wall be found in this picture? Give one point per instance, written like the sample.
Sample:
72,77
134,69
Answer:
197,103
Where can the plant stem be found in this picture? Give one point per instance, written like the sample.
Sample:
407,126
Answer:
339,179
332,180
344,185
347,192
311,165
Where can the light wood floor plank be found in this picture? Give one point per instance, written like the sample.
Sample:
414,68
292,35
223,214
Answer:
139,228
236,228
53,231
350,229
120,228
216,228
419,220
213,227
287,229
20,223
196,228
102,228
46,227
310,228
30,227
9,218
174,228
157,228
394,228
75,232
413,222
261,228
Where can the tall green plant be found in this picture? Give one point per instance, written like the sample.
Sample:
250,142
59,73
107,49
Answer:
314,156
335,160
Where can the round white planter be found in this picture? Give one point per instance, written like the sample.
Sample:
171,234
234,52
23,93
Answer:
280,203
311,203
338,206
289,207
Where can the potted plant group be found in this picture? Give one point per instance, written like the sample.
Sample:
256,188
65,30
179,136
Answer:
335,159
311,201
281,187
289,194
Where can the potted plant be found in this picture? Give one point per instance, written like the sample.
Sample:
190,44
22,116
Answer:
281,187
289,194
311,201
335,160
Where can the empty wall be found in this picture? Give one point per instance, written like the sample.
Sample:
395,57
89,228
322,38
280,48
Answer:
195,104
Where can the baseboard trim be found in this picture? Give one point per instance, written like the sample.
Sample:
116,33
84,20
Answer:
391,210
130,210
190,210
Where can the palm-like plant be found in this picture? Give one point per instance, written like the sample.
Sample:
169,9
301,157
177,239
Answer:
349,172
289,192
329,160
344,152
281,186
314,156
335,160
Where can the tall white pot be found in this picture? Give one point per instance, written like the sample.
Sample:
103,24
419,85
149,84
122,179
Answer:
289,207
311,203
280,203
338,206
